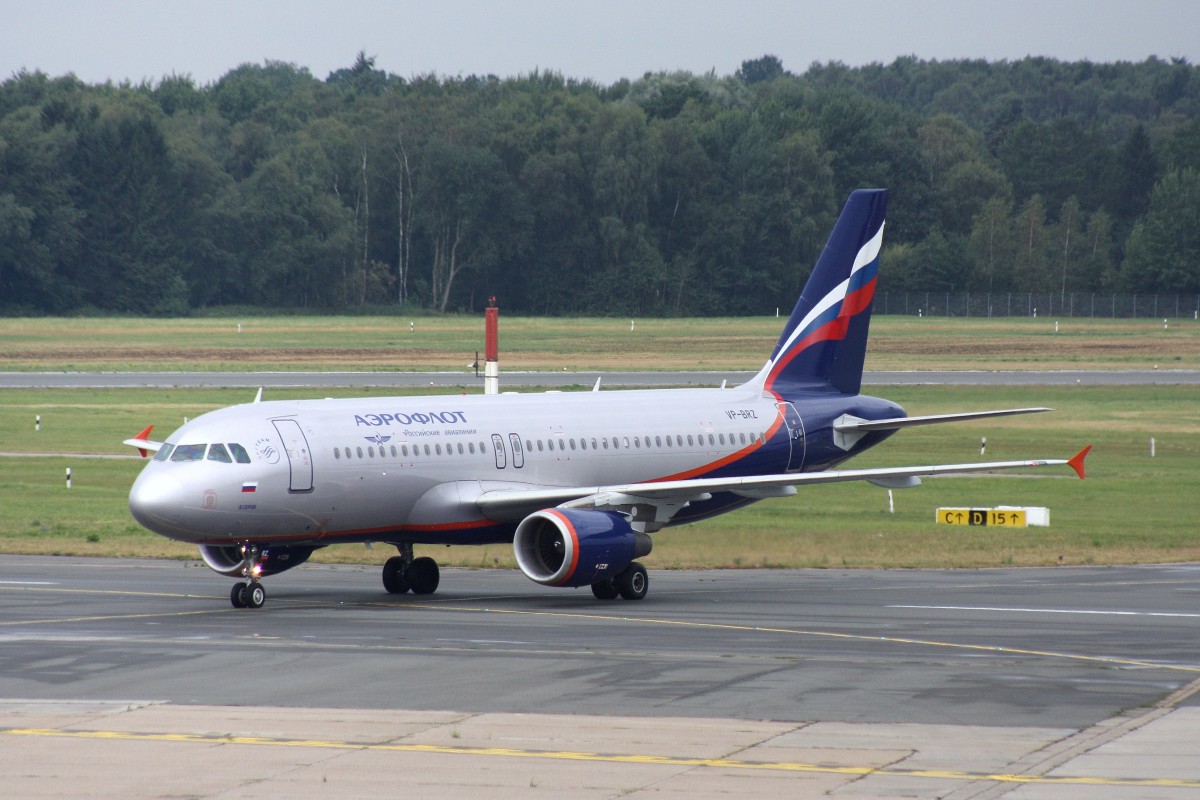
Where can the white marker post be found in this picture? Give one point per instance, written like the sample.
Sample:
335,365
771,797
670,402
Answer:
982,445
68,477
1152,447
37,422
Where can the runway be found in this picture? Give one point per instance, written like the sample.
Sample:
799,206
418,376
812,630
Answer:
754,666
517,380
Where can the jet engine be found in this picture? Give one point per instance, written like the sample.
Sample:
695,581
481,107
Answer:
568,547
233,560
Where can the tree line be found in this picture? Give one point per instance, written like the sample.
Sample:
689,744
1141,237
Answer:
671,194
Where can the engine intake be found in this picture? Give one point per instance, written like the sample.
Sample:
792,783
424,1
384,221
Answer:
231,560
568,547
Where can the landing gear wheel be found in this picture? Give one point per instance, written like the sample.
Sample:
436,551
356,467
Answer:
255,595
423,575
632,582
394,579
605,589
237,595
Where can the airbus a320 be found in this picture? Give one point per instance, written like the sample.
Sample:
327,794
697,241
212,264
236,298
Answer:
577,482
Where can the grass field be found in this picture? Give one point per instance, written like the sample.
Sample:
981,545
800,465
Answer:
450,342
1133,508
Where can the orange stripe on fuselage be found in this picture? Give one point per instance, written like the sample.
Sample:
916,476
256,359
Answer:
729,459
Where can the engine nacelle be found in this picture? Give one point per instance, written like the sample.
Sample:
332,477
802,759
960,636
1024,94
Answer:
232,560
568,547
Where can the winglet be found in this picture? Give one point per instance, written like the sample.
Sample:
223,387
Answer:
1076,463
144,436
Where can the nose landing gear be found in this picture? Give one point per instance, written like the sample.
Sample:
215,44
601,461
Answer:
249,594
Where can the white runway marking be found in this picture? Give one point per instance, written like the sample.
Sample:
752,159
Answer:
1054,611
29,583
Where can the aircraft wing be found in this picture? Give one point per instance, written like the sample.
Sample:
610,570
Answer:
665,498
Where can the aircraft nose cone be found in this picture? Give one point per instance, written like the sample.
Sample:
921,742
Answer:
154,500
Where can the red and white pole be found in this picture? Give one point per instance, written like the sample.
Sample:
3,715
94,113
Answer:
491,366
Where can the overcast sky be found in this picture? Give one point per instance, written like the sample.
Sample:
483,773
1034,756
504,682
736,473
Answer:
604,40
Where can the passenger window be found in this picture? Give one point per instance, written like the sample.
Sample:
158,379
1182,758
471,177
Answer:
404,450
658,441
393,451
359,451
347,453
626,442
690,442
239,453
337,453
164,452
572,442
189,452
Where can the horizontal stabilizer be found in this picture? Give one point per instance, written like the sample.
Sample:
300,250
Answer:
848,424
847,429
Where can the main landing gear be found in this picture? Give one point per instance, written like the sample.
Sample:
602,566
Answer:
404,573
630,583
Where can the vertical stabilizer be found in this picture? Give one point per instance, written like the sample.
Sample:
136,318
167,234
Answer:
824,342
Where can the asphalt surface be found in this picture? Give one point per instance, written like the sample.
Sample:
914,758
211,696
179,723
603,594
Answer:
516,380
127,678
1065,646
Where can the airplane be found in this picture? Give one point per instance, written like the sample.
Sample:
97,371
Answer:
577,482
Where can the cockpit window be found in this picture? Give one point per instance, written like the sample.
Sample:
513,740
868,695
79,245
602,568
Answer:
189,452
217,452
164,452
239,453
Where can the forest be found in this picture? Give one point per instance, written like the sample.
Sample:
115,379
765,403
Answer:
670,194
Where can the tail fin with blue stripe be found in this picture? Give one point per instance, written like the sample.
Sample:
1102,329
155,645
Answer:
824,342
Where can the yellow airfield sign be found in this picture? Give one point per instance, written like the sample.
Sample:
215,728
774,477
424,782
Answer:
1008,517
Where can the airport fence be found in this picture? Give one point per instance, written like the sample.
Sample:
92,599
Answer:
1035,304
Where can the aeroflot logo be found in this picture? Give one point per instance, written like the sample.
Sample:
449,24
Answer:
442,417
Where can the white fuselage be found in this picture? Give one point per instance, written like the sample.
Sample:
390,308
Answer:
410,468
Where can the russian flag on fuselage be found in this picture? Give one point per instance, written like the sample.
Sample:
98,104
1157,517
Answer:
825,340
